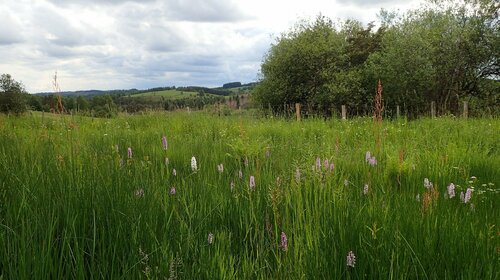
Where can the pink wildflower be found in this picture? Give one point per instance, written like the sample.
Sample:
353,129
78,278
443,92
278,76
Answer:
284,242
332,167
252,182
164,142
139,193
351,259
468,195
368,155
451,190
220,168
427,183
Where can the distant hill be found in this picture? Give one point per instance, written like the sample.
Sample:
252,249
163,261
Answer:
92,92
226,90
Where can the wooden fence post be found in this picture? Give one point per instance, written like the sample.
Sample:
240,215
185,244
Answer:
344,112
297,111
433,109
398,111
466,110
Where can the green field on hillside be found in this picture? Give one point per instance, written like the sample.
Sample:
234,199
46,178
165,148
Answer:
167,94
241,197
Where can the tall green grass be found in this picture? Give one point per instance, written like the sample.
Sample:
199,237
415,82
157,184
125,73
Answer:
71,205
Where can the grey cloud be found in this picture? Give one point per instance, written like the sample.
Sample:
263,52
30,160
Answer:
94,2
10,30
368,3
60,31
203,11
174,10
9,37
151,36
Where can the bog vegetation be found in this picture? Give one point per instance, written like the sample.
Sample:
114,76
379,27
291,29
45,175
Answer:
197,196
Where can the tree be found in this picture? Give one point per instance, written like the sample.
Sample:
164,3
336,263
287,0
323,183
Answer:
103,106
12,96
319,66
440,53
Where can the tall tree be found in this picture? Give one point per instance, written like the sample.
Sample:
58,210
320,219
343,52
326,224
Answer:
12,96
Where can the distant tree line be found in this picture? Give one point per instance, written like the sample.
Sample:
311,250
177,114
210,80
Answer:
15,100
231,85
444,52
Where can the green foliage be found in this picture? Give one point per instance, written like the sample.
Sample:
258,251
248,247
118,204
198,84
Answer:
12,96
231,85
440,53
444,52
103,106
73,206
300,67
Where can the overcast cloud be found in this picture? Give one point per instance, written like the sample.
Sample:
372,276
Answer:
113,44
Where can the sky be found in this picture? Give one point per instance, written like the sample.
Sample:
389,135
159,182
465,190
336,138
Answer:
118,44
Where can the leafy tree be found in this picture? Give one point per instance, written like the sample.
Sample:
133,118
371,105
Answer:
317,65
103,106
12,96
82,104
444,52
441,53
300,67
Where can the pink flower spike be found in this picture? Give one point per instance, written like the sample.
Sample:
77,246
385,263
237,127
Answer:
451,190
252,182
284,242
468,195
351,259
318,164
164,142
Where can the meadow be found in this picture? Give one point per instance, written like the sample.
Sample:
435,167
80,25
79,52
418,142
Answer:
196,196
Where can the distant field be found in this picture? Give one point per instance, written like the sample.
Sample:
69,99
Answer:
242,197
167,94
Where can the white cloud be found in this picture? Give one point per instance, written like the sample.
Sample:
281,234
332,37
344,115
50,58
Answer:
107,44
